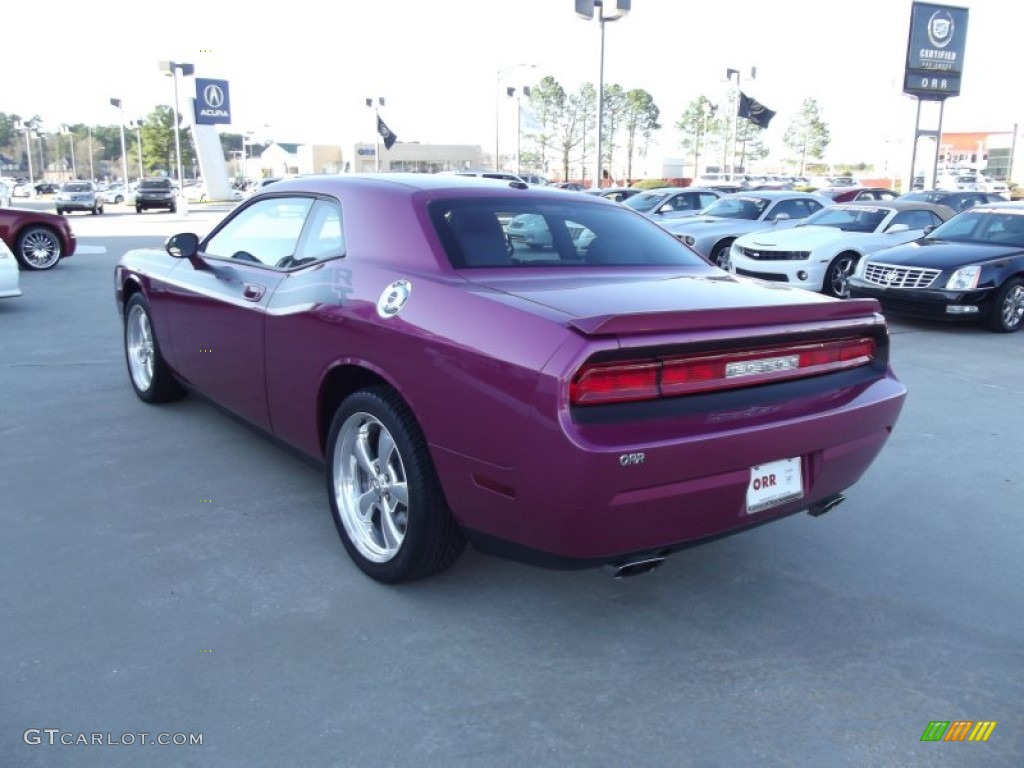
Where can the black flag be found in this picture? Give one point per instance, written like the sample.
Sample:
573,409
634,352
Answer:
754,111
386,134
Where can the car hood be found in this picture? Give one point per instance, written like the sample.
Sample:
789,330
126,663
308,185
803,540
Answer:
799,238
710,226
942,254
610,301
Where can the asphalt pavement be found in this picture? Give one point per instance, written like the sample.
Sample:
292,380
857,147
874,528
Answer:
168,571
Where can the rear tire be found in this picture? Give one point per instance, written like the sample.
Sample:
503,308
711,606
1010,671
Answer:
38,248
1007,312
837,276
385,496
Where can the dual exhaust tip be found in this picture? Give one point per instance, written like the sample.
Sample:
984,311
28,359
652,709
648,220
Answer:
647,563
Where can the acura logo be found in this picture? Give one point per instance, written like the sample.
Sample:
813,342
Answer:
214,96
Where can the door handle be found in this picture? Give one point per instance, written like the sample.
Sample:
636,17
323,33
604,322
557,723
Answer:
253,291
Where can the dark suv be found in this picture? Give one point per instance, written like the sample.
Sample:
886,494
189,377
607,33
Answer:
155,193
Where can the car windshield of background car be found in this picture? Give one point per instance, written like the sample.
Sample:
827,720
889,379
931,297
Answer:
993,226
849,219
79,187
476,233
645,201
737,208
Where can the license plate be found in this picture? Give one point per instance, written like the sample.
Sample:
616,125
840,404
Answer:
774,483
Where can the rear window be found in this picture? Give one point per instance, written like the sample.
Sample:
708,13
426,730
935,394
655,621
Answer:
156,184
518,232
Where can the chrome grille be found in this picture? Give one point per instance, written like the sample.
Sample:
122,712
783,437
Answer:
892,276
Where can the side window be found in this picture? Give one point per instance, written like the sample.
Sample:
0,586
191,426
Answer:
795,209
682,202
915,219
706,199
266,232
323,237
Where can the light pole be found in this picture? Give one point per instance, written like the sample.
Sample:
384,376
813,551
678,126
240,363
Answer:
64,129
20,126
124,152
585,9
171,68
376,129
137,125
92,171
497,107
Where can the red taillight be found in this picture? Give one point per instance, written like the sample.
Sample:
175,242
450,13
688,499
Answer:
630,380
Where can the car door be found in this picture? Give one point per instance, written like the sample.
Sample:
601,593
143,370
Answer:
217,312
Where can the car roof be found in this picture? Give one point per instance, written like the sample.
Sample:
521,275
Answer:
899,205
776,194
427,182
1016,206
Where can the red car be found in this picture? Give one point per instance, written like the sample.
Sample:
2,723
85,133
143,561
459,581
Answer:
857,194
38,239
607,400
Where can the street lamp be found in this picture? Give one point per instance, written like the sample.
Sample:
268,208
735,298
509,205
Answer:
65,130
585,10
92,171
171,69
497,107
20,126
376,129
124,153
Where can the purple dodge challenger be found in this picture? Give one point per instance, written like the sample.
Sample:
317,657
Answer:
609,399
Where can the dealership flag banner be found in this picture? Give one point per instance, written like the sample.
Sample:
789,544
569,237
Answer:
754,111
386,134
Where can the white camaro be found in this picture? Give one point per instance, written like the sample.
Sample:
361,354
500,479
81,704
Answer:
822,252
8,273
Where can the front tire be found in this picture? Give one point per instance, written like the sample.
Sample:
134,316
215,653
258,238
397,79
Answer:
720,255
38,248
1007,312
837,277
385,496
151,379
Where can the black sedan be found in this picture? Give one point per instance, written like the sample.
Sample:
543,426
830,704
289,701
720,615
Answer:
958,201
971,267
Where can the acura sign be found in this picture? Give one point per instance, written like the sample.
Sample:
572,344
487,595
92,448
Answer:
213,105
935,51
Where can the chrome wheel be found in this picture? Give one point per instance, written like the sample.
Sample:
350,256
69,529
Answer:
139,344
1012,309
38,248
720,257
837,282
371,488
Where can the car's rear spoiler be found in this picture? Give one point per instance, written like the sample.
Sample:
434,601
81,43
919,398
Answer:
727,317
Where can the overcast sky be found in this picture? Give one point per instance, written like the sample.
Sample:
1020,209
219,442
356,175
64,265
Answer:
304,67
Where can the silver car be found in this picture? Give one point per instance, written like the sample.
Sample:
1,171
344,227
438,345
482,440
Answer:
79,196
712,232
668,203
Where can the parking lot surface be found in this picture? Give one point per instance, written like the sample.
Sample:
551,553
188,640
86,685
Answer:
167,570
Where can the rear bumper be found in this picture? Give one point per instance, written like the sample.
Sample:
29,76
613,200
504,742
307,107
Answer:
584,503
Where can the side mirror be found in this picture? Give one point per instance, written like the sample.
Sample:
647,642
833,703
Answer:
183,246
898,228
929,229
782,217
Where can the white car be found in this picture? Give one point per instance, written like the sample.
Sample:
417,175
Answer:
821,253
117,194
8,273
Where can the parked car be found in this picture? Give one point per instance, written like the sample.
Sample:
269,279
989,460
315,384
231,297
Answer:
9,273
47,188
970,268
668,203
615,194
5,194
38,239
821,252
534,180
712,233
857,194
118,193
958,201
677,403
79,196
156,193
23,189
492,175
572,186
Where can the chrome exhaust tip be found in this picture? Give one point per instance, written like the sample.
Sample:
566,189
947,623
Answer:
827,505
634,567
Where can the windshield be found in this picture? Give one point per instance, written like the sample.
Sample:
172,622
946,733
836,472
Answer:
849,219
156,184
78,187
645,201
995,226
738,208
512,232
